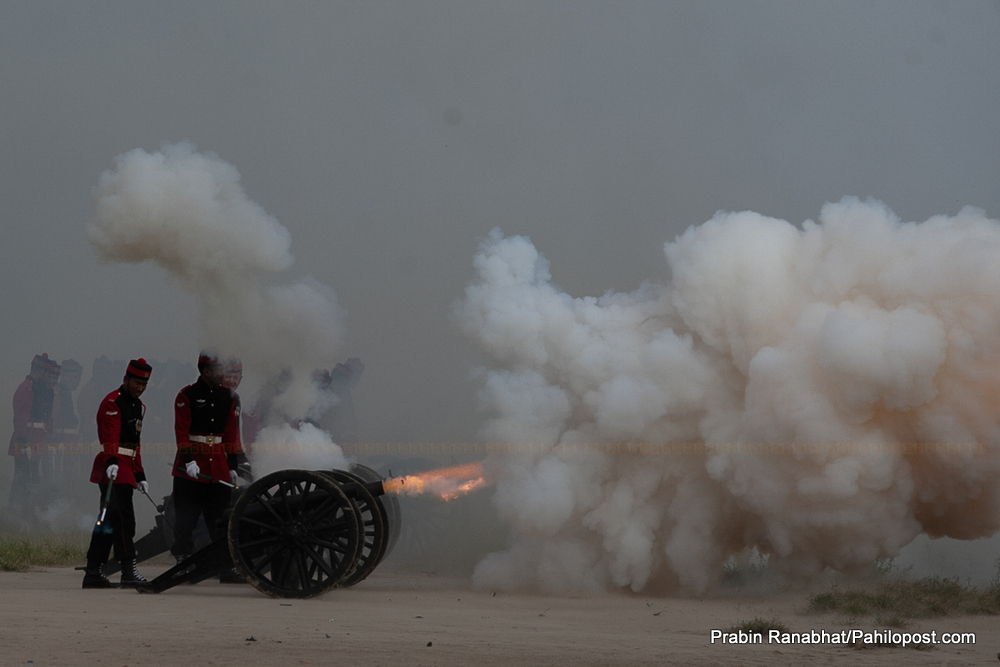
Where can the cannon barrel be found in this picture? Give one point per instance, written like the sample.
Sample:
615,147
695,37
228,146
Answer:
355,490
376,488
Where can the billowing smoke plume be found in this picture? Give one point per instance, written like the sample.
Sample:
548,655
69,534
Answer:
823,394
305,447
187,212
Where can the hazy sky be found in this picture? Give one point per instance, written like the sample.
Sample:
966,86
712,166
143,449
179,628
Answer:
391,137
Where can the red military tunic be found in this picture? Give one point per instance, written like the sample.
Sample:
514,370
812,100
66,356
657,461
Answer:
119,425
31,426
207,427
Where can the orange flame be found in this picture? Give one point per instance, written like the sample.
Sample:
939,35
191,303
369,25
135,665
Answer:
445,483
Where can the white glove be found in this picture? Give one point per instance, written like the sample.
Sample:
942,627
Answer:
192,469
112,471
143,486
234,478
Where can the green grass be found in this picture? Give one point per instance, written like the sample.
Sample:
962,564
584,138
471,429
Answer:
19,552
748,572
895,600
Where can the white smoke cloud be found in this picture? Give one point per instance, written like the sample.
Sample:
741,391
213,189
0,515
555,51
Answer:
849,342
187,212
305,447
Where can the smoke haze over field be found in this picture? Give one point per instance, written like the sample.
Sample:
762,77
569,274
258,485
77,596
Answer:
187,212
366,150
846,342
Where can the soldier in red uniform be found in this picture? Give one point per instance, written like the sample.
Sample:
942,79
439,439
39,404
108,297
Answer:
119,426
32,424
66,424
45,452
206,424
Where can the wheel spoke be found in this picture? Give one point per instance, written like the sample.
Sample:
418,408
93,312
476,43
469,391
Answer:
331,531
270,527
259,566
305,497
319,560
300,561
267,504
339,547
287,511
260,542
314,573
282,566
329,503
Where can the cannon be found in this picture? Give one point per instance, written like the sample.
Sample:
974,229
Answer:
297,534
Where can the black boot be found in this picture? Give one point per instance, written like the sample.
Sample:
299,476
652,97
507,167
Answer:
131,576
94,578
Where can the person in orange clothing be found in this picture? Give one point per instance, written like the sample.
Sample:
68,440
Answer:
207,428
119,464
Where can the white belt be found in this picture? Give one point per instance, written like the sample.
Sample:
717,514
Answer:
205,439
36,424
124,451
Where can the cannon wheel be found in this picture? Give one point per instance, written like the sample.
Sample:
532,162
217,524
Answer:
294,534
375,539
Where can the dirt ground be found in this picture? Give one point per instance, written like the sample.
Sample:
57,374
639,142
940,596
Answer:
405,618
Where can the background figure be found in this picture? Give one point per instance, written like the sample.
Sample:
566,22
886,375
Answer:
260,414
45,451
102,380
333,411
66,424
232,376
32,417
158,444
340,420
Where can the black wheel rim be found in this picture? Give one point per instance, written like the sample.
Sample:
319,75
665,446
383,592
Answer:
295,534
374,537
388,506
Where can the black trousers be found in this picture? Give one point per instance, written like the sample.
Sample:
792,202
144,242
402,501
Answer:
121,516
192,500
19,483
27,473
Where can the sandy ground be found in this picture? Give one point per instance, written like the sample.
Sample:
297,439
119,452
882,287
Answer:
403,618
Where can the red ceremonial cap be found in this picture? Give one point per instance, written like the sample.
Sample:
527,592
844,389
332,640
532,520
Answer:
42,361
138,368
208,358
